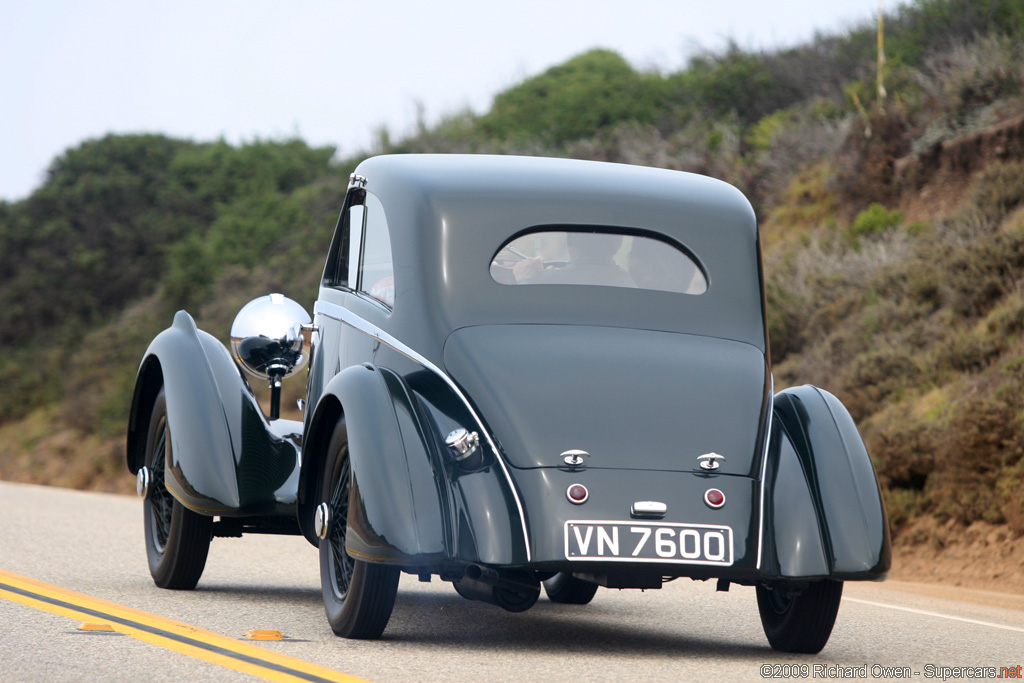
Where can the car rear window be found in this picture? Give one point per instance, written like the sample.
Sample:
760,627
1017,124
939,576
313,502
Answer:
599,258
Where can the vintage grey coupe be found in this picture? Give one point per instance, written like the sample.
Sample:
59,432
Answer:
522,371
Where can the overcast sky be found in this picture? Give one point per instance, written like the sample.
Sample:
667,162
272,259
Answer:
329,71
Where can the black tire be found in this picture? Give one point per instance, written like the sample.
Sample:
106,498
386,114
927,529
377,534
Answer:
800,622
177,539
567,589
358,595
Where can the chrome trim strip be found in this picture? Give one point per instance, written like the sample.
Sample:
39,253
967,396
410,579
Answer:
349,318
764,468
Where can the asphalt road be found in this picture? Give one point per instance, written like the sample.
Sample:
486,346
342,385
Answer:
93,544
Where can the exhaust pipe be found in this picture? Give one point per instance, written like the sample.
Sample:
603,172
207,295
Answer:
514,591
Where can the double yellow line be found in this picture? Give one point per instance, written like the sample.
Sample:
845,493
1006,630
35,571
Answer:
173,635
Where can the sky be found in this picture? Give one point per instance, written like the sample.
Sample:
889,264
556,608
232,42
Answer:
332,72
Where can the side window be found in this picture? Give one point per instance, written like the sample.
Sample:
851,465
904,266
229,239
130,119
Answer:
356,230
376,269
342,260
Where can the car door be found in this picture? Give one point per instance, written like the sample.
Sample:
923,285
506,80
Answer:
358,278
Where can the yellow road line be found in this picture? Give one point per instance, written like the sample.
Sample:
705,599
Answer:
173,635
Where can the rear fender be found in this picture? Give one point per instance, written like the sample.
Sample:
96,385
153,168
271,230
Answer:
224,460
395,514
824,514
412,504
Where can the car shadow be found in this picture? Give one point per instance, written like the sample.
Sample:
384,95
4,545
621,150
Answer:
451,622
290,595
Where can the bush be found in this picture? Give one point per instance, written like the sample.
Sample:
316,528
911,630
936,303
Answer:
904,450
999,189
595,90
731,83
873,375
984,439
793,167
874,220
806,205
786,320
969,75
925,27
980,274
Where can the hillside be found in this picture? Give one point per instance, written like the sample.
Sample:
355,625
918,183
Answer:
892,229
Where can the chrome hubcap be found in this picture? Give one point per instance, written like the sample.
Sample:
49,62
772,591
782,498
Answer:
142,480
321,521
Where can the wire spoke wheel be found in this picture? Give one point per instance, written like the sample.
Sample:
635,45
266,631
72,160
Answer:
160,498
358,595
341,563
177,539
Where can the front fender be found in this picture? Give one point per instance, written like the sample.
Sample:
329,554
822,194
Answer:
824,515
223,460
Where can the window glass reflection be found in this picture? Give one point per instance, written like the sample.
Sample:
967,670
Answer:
604,259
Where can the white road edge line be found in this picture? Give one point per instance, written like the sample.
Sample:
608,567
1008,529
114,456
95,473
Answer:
935,614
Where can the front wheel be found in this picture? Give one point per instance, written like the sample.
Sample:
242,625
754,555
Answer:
799,622
358,595
177,539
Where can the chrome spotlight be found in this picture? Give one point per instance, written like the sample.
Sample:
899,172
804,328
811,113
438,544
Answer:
266,337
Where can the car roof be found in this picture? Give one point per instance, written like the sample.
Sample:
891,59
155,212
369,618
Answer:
448,215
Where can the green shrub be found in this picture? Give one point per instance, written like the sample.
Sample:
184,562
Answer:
734,82
924,27
874,220
190,269
594,90
760,136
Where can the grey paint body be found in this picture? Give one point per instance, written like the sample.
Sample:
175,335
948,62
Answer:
645,381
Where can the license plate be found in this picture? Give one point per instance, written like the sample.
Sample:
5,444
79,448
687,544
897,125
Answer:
648,542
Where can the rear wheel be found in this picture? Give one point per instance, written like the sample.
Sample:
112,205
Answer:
799,622
177,539
358,595
565,588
